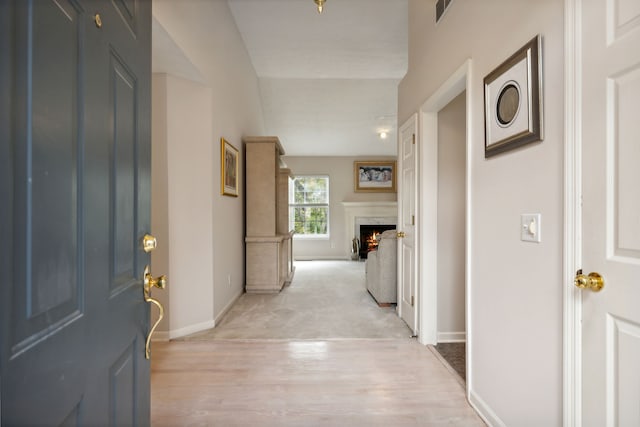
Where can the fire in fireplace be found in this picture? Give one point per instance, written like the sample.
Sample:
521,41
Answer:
368,237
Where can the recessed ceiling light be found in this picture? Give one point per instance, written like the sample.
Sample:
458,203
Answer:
383,135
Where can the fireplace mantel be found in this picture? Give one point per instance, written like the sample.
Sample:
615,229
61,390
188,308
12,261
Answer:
369,205
353,210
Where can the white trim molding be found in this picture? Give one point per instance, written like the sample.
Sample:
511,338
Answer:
572,256
226,309
484,411
445,337
160,336
458,82
191,329
428,274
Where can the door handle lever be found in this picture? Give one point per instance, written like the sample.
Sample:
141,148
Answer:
148,282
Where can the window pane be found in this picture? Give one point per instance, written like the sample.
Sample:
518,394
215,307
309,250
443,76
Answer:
309,220
310,189
298,193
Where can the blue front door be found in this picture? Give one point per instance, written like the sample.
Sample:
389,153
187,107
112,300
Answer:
74,206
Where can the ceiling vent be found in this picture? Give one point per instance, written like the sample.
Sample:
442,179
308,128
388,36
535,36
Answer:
441,8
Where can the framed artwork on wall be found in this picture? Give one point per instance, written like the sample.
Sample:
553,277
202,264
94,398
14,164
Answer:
375,176
229,169
513,101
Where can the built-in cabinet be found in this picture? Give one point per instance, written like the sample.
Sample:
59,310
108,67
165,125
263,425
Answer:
268,242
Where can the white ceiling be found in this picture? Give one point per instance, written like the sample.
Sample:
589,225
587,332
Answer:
351,39
328,81
167,57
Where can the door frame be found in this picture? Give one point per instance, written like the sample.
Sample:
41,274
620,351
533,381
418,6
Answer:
572,256
459,81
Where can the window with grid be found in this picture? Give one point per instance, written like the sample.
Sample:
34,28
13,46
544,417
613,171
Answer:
309,206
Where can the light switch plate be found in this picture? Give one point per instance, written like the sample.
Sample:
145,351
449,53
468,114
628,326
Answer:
530,227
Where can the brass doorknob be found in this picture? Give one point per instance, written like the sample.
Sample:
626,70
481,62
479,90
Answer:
594,281
149,281
400,234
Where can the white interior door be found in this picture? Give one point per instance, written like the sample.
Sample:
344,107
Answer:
407,253
611,211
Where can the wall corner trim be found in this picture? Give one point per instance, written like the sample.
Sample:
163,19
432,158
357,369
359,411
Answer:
572,256
484,411
226,309
160,336
452,337
191,329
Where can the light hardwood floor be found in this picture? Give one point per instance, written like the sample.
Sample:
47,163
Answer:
304,383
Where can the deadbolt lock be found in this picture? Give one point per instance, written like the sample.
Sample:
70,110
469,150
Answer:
149,243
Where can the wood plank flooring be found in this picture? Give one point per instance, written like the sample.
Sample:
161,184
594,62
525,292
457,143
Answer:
304,383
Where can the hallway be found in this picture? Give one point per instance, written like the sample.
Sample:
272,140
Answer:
268,364
326,300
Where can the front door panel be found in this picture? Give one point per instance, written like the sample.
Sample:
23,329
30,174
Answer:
123,142
74,185
42,301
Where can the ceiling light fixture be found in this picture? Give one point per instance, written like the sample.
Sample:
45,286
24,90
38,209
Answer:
383,134
320,4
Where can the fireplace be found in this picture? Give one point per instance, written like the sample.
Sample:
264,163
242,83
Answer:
357,214
369,234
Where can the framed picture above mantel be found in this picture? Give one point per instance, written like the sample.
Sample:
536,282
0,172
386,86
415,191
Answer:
374,176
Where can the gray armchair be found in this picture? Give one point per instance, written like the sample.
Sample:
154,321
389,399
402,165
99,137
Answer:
381,269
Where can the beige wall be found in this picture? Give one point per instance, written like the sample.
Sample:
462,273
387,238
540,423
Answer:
160,194
205,230
189,171
341,189
451,220
516,287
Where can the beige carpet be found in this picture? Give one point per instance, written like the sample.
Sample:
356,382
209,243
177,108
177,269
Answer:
326,300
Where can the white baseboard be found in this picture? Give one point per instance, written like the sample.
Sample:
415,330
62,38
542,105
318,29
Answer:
191,329
226,309
485,412
160,336
452,337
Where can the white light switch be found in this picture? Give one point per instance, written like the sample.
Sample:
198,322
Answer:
530,227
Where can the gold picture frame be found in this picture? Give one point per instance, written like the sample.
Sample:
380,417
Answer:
513,101
374,176
229,169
